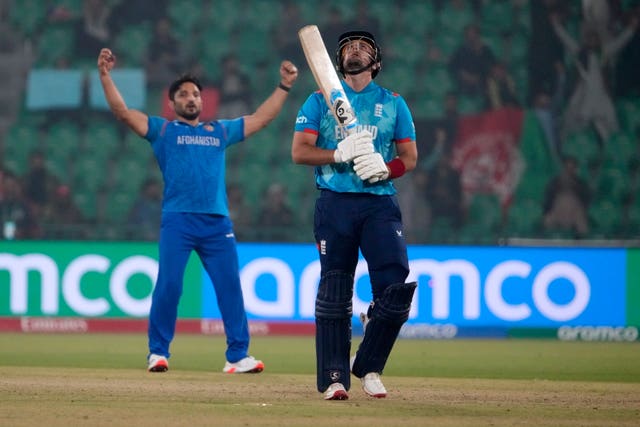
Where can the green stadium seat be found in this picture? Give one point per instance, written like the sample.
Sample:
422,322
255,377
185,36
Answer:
606,219
62,141
132,43
89,175
419,12
118,205
442,231
55,43
619,149
86,202
582,145
613,185
263,15
448,42
136,148
485,211
254,46
628,110
72,6
427,107
496,17
102,141
632,223
128,175
524,218
409,50
387,13
454,20
186,17
438,82
470,104
28,15
21,140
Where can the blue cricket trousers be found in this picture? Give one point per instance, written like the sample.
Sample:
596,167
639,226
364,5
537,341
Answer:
211,236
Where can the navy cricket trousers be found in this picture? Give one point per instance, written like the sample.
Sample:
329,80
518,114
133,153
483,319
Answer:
347,222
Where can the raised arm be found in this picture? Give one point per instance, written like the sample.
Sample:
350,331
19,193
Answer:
272,106
136,120
610,49
569,43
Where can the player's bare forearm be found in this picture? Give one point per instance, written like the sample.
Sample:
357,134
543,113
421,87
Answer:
305,152
408,153
136,120
271,107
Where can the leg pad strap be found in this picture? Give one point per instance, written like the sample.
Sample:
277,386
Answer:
386,317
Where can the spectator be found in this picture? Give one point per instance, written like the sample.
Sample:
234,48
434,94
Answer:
16,217
628,64
131,13
544,48
547,106
144,216
285,36
501,88
444,127
364,20
275,218
590,103
471,62
414,205
61,217
335,24
566,201
93,31
39,183
235,89
165,58
240,213
444,188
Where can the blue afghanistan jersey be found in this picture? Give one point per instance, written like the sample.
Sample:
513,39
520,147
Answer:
384,113
192,162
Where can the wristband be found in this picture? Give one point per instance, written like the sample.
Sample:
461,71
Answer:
283,87
396,168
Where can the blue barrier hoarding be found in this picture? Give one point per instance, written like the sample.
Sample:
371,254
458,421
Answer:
465,286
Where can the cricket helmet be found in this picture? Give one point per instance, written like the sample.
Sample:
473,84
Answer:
359,36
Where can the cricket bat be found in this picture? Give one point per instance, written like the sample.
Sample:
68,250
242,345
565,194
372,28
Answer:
326,77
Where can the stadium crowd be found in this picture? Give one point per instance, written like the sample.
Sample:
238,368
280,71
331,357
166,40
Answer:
552,86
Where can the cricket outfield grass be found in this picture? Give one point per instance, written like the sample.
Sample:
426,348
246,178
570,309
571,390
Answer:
100,380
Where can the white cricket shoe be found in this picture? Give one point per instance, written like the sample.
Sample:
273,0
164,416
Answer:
372,385
336,391
157,363
246,365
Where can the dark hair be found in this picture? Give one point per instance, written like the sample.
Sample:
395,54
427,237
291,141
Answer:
180,81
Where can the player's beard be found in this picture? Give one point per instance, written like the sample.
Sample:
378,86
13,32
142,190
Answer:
188,113
357,64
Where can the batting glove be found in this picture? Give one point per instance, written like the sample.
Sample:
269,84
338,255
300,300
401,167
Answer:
371,167
353,146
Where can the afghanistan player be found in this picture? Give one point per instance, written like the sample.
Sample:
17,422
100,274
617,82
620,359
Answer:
195,214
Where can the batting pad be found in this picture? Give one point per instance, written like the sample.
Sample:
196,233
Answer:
387,317
333,329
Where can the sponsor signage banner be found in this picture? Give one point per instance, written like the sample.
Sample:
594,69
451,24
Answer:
464,286
470,287
85,279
